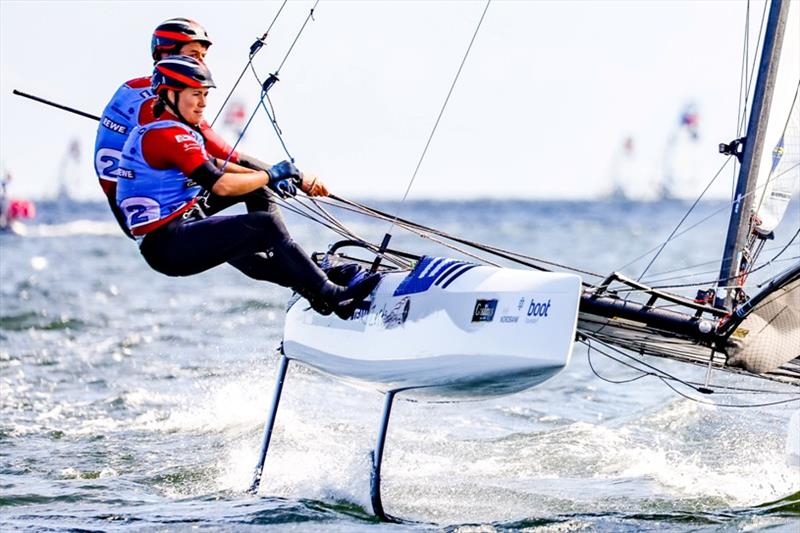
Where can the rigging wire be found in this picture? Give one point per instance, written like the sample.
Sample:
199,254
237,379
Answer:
667,378
746,82
652,285
756,269
241,135
274,76
273,120
713,214
320,216
310,16
441,112
412,228
655,276
254,49
268,84
685,216
749,78
426,232
515,257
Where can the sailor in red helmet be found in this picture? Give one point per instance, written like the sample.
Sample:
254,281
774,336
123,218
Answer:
132,104
166,167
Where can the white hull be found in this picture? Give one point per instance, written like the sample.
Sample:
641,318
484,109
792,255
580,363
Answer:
446,329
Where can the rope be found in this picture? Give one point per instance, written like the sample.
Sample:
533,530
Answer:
668,379
254,49
310,16
272,117
685,216
515,257
653,283
740,124
655,277
441,112
713,214
264,89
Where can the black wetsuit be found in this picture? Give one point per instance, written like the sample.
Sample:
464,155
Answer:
257,243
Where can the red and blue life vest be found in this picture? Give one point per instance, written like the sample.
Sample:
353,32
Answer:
119,118
149,197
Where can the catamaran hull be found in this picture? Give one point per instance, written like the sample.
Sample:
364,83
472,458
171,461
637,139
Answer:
446,330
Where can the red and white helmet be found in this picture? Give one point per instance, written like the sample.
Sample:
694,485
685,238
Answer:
171,34
180,72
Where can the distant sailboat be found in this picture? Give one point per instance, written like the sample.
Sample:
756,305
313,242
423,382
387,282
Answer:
12,210
622,171
681,157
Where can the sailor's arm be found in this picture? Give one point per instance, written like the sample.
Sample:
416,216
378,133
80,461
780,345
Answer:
281,178
172,148
309,183
233,181
241,163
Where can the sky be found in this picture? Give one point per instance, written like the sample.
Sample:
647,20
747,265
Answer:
545,100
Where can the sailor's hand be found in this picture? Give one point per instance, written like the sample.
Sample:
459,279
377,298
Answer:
283,177
312,185
285,188
283,170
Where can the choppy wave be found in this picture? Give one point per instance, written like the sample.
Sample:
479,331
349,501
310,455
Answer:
133,400
70,229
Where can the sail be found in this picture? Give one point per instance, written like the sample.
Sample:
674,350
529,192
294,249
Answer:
767,337
779,171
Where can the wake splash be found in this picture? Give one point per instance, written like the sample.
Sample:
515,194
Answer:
69,229
682,457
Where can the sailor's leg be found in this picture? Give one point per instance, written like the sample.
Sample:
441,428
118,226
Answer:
257,200
183,248
377,457
276,399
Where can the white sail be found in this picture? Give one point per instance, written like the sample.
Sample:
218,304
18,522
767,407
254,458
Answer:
779,169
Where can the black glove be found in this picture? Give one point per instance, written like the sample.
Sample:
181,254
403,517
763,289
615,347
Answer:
283,179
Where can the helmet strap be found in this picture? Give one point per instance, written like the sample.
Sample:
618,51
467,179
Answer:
173,107
159,106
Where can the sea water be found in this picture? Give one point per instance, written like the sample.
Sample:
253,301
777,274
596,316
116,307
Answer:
133,401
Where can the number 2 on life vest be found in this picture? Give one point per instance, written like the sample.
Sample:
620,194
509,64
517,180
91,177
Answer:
107,162
140,210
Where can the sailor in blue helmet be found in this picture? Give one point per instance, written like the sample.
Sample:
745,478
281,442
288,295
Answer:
165,168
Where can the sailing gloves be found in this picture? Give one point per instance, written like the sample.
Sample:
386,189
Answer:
283,179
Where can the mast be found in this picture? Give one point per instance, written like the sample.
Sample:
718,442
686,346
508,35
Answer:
739,224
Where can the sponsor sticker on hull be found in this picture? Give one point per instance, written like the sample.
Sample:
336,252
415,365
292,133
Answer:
484,310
